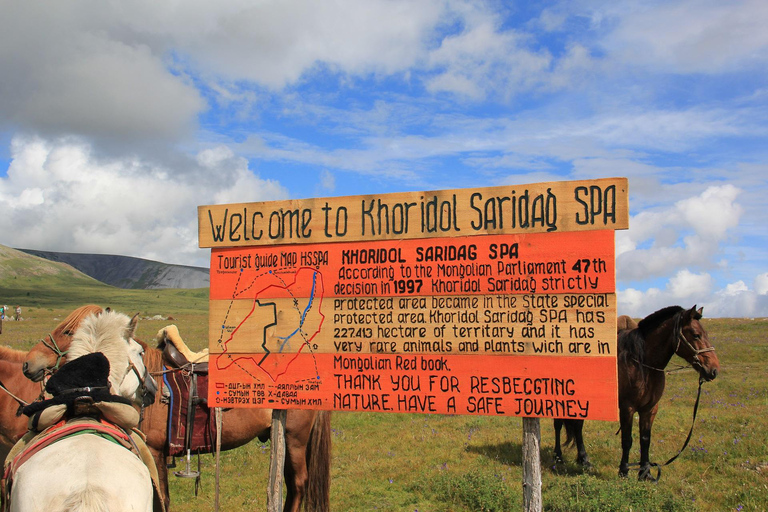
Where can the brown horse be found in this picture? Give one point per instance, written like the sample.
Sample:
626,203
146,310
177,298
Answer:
308,441
644,350
12,425
574,429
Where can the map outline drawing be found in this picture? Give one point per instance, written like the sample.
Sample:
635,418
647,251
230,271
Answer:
267,296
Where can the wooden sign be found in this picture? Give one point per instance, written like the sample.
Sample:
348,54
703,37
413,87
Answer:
480,301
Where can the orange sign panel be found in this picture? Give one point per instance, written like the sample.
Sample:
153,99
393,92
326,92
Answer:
497,324
497,301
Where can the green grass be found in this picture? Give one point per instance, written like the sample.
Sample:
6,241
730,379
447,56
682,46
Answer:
409,462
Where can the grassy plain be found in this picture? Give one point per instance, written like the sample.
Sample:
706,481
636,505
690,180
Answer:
393,462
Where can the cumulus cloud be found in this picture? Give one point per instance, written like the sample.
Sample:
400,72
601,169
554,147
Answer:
59,195
688,233
687,289
66,72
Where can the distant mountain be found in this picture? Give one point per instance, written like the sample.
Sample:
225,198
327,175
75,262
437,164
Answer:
130,273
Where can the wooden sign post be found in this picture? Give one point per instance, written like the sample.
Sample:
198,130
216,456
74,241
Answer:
491,301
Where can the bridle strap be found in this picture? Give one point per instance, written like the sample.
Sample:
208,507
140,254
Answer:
60,354
682,339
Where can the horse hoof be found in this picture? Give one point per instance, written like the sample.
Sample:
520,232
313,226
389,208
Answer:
623,472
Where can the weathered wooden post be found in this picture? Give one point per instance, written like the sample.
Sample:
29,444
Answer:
482,301
532,465
218,415
276,461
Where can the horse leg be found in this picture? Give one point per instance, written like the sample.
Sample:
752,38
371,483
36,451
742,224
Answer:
162,476
626,415
578,434
645,424
297,429
558,450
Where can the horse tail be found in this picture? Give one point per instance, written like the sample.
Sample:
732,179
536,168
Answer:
570,431
319,465
85,500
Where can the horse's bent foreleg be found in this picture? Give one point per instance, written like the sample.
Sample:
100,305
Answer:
625,417
645,424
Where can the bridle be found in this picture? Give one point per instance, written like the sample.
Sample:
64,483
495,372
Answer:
60,354
682,339
143,387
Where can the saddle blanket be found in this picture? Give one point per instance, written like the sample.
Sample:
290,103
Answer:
203,423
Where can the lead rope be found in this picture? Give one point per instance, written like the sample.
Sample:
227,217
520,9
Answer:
21,402
685,444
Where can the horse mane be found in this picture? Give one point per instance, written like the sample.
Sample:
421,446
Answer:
153,358
652,321
632,342
69,325
12,355
103,333
153,362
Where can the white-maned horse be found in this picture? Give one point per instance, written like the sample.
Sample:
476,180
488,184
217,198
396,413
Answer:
88,472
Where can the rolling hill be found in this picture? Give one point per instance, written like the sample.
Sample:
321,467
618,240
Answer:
127,272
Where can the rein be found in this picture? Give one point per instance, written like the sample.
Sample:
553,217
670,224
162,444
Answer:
18,400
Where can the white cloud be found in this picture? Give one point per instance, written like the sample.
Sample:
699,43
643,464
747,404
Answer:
687,289
67,72
688,233
327,181
761,284
690,36
689,286
73,201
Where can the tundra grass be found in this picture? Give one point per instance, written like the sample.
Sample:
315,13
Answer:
410,462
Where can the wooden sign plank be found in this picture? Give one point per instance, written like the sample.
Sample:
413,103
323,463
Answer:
537,208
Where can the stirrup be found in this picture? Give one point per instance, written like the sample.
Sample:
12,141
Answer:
187,472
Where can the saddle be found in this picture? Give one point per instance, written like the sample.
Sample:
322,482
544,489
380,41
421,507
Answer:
81,402
191,425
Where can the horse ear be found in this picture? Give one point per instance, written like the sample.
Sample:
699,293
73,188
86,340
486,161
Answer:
132,325
699,313
108,309
695,315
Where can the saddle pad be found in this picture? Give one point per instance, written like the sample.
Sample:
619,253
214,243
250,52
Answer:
62,430
203,423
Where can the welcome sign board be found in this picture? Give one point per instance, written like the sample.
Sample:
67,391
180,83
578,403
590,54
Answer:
495,301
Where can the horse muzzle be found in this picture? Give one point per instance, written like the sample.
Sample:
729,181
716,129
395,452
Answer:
35,375
149,391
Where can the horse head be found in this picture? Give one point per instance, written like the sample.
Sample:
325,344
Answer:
50,352
693,344
111,333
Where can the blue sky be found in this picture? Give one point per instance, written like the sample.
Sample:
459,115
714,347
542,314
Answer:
117,119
